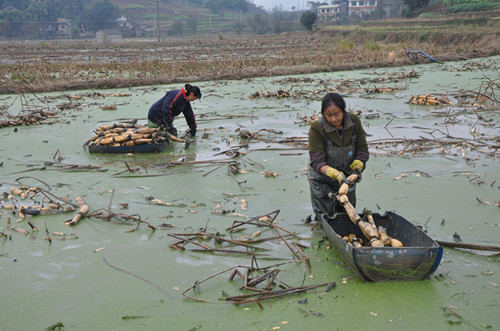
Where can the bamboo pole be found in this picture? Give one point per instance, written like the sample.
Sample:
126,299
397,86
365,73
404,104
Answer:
469,246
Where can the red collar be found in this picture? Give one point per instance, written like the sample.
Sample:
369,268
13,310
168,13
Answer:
183,92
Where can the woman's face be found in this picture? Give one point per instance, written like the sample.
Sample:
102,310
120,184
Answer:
334,115
191,97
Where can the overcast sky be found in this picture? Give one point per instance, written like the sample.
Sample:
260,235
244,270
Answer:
287,4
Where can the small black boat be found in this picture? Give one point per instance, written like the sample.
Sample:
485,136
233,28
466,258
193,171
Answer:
142,148
417,260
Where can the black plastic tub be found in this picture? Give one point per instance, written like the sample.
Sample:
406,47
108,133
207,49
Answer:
417,260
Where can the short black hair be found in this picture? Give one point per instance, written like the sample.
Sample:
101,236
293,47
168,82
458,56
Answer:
332,99
193,89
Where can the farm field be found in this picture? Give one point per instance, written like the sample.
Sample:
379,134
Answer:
42,66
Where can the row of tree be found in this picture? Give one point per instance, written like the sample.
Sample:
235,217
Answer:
276,22
38,18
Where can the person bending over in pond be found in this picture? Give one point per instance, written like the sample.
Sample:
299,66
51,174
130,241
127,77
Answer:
337,147
163,111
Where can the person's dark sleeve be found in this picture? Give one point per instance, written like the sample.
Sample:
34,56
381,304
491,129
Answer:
189,116
318,159
362,156
317,152
362,153
154,113
166,111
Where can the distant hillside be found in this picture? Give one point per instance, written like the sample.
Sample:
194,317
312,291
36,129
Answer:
182,18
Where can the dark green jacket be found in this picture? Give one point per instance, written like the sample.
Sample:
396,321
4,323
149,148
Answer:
318,136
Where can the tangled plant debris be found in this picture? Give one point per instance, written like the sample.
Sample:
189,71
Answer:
252,275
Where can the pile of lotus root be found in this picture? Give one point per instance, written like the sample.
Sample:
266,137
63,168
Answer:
377,237
126,134
427,99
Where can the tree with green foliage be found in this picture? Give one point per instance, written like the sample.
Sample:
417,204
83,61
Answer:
307,19
177,29
258,23
415,5
283,21
193,24
11,20
238,27
75,32
50,10
277,13
102,15
43,10
27,18
224,5
213,5
18,4
71,9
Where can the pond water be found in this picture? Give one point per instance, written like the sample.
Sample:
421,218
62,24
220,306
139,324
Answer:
106,276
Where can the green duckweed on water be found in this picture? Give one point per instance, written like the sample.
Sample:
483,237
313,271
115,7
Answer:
437,166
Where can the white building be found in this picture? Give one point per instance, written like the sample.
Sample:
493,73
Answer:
339,10
336,11
328,12
362,7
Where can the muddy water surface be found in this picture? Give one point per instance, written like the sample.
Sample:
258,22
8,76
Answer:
106,276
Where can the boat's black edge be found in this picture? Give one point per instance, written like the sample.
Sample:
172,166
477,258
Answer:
436,264
143,148
357,269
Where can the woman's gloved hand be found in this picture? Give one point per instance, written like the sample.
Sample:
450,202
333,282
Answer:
335,174
170,129
357,165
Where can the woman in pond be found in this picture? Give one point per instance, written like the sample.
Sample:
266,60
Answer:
172,104
337,147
